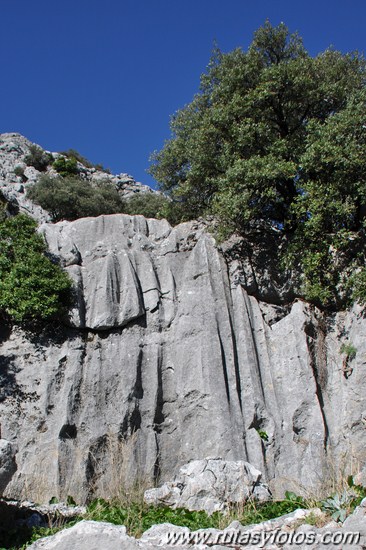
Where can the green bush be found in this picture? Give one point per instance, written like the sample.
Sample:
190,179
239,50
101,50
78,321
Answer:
72,153
66,167
32,287
150,205
153,205
349,350
19,171
38,158
69,198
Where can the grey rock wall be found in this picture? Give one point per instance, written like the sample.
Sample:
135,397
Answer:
167,359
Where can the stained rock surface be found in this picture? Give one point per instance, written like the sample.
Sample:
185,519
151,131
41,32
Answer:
165,359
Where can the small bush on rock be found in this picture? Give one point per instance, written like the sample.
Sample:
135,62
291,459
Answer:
66,166
38,158
19,171
72,153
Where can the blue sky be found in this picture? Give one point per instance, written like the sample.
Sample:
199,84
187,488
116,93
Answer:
104,76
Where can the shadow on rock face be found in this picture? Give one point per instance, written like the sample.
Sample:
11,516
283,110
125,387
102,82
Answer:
8,384
7,464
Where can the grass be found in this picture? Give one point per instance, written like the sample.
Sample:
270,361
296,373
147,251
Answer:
130,510
138,517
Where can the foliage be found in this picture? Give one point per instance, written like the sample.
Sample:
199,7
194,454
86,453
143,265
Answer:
263,435
338,506
274,139
32,287
19,171
70,197
138,517
152,205
66,166
349,350
73,154
332,205
38,158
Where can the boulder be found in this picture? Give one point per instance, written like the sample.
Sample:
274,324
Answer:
211,485
92,535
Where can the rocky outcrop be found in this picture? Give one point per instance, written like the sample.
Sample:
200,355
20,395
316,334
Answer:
211,485
16,176
166,359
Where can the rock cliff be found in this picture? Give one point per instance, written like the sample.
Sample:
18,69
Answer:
166,358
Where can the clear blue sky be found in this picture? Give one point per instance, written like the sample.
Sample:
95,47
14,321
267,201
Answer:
104,76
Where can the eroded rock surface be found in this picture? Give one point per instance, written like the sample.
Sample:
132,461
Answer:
166,359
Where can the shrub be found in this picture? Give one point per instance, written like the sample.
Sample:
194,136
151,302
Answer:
349,350
70,198
19,171
32,287
66,167
149,205
38,158
154,205
72,153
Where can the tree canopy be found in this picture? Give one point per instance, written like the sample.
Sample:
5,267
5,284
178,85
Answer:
276,137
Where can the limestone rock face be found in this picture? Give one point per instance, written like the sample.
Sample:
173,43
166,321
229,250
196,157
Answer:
166,359
210,485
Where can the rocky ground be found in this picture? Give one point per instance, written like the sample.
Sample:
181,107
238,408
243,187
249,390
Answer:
285,533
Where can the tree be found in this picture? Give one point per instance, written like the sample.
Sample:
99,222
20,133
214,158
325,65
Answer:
246,147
